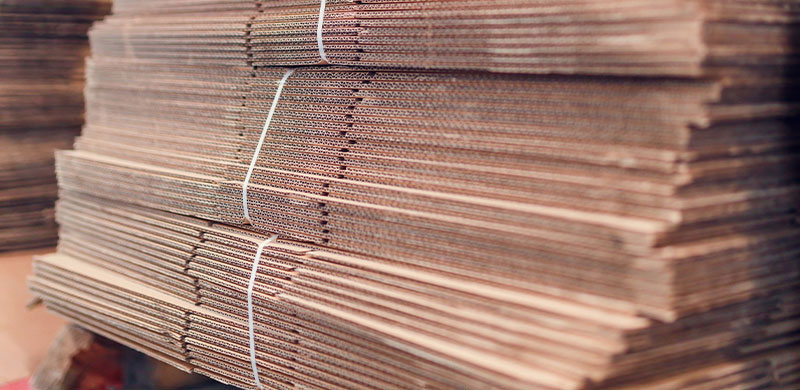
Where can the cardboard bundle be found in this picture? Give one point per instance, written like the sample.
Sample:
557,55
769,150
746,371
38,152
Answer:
629,181
645,37
439,229
331,319
301,358
42,50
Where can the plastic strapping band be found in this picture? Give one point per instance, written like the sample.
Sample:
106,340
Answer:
250,324
320,21
249,175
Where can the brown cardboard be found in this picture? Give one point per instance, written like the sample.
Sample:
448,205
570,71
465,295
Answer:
583,223
42,50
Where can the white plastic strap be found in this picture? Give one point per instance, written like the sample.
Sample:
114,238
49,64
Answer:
249,175
250,324
320,21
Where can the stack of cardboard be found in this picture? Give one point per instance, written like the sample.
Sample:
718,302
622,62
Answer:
353,321
42,50
440,229
642,37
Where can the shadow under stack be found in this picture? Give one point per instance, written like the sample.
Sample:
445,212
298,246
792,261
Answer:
467,194
43,45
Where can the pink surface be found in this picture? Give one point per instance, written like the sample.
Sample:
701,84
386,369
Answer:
18,385
25,335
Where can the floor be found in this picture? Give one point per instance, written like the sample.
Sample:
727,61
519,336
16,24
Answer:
25,334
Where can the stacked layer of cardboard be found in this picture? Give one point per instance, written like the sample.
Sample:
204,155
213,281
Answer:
42,50
310,357
326,316
628,181
645,37
439,229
